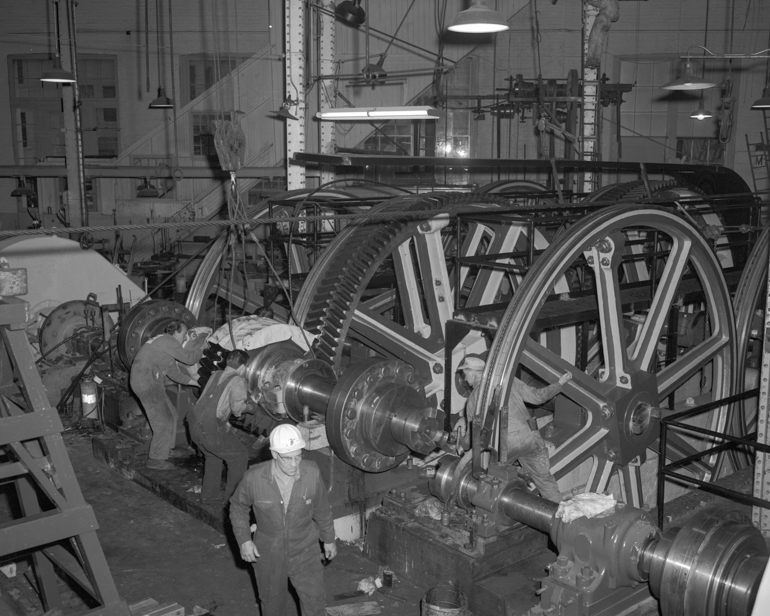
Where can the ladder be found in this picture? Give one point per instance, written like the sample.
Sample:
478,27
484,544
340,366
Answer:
56,526
759,162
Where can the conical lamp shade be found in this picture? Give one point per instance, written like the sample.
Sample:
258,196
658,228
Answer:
285,113
688,81
351,13
701,113
147,191
764,102
57,74
163,101
478,19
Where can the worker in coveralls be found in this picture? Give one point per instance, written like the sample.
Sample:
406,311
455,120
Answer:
226,393
288,497
524,440
155,362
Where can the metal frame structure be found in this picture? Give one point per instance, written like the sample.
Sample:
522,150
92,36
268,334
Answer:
60,531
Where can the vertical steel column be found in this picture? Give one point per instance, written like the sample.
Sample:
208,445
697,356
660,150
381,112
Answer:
759,515
73,144
591,113
294,35
327,90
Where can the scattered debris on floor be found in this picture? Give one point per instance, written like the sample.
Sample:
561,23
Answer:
150,607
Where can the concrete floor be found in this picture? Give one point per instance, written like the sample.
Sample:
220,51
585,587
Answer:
155,550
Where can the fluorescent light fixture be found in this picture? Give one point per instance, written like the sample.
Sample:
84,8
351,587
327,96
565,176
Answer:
352,114
478,19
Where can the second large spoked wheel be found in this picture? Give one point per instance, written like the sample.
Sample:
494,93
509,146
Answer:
605,419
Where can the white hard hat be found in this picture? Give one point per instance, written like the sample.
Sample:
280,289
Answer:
286,438
472,363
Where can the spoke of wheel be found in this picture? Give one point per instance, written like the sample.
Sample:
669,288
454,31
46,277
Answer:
586,391
676,373
630,477
577,448
601,473
610,313
645,351
435,279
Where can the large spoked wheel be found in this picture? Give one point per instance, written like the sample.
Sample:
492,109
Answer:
605,421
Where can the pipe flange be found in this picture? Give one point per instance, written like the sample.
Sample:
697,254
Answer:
360,411
147,320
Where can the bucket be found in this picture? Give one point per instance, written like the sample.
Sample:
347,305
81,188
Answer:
444,600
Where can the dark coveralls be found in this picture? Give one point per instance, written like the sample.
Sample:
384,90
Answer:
287,542
217,444
155,361
524,440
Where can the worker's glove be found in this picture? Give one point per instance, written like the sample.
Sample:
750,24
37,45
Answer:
565,378
249,552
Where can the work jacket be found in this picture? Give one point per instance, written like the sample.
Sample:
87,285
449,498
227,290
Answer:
157,359
282,531
204,412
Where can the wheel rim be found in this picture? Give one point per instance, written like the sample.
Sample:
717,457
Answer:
206,281
601,433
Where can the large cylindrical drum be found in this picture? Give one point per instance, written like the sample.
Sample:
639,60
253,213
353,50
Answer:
444,600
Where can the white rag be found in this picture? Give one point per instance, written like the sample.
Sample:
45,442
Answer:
588,504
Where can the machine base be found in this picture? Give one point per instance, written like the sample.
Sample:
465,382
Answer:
427,552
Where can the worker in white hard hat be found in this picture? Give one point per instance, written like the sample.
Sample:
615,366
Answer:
524,440
292,511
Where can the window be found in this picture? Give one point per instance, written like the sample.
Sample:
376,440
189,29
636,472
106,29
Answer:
198,73
38,112
203,128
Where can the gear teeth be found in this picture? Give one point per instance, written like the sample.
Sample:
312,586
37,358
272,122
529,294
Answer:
345,272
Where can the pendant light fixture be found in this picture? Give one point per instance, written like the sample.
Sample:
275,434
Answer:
350,13
284,112
701,113
22,190
163,101
478,18
147,190
57,74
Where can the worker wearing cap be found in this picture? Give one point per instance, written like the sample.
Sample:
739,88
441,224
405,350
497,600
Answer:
226,393
524,440
155,362
292,511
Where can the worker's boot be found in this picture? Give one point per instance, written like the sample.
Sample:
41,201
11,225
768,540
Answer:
160,465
